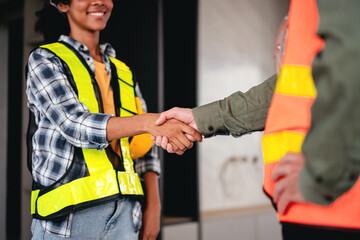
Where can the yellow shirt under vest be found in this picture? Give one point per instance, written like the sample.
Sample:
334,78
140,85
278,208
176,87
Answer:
103,80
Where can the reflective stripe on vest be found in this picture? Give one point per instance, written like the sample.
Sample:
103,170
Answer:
289,120
104,183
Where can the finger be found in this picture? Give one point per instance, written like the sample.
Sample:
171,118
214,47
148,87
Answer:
158,141
164,116
280,170
169,148
148,236
284,203
178,143
278,190
161,120
179,152
174,147
191,138
153,138
192,132
164,142
152,236
291,158
185,141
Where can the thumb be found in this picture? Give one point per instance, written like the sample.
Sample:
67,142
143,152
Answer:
164,116
161,120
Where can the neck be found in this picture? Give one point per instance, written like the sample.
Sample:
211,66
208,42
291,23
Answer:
90,40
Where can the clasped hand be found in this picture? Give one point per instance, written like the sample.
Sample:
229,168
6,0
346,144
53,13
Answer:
184,115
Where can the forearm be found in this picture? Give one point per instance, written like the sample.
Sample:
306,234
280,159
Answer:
152,190
151,216
174,130
238,114
120,127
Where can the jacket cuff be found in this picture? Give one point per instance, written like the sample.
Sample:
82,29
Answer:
101,137
208,120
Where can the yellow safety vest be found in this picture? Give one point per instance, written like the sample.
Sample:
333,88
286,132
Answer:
103,184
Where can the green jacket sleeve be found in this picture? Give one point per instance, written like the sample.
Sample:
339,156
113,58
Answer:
238,114
332,146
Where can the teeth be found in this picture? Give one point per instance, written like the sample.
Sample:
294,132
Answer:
97,13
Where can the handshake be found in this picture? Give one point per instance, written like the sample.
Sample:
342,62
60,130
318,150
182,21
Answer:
178,132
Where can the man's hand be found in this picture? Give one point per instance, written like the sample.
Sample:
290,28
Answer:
286,175
176,132
182,114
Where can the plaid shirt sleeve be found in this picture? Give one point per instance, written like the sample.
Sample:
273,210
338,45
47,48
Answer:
50,93
150,162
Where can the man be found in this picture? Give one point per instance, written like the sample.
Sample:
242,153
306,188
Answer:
329,163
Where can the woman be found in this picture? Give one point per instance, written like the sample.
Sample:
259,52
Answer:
86,106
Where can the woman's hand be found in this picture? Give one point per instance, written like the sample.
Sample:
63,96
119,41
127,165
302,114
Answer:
151,216
175,131
176,135
151,222
182,114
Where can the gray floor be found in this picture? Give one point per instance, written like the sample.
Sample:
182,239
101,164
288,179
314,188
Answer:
249,226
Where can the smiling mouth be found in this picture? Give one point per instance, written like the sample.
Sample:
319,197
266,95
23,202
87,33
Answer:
97,14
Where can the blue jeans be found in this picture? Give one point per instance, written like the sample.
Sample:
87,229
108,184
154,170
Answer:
106,222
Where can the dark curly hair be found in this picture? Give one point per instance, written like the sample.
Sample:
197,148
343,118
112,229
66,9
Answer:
51,23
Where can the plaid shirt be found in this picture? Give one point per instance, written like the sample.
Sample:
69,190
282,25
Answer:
65,123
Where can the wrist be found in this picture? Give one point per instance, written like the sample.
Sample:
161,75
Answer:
148,121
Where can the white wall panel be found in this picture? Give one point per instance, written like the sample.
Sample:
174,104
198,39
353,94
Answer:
235,52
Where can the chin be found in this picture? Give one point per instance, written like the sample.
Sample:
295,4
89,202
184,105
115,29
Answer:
97,27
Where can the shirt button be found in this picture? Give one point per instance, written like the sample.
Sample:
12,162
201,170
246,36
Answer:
329,198
353,176
211,128
319,179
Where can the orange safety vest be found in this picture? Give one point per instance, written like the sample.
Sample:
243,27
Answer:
289,119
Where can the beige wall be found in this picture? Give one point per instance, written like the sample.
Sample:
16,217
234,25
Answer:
235,52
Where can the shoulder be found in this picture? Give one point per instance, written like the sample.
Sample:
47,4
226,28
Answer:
44,57
44,62
41,55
